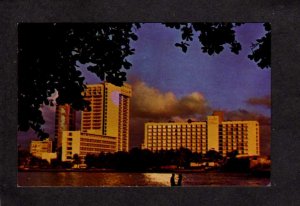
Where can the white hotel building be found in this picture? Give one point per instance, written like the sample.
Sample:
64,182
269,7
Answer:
213,134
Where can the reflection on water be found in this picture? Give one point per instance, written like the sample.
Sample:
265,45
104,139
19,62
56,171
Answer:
157,179
219,179
135,179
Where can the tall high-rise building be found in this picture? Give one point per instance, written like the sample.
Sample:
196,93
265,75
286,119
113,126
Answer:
105,128
65,119
213,134
109,115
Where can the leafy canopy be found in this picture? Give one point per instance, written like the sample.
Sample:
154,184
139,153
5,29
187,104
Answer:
215,36
48,54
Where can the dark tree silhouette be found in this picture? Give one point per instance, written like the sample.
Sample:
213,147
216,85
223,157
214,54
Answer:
261,50
212,36
48,55
184,157
76,159
90,160
215,36
213,155
24,157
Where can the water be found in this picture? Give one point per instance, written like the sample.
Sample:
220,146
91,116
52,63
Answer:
136,179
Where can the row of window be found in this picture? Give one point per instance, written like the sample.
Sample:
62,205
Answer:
178,126
89,114
96,144
239,151
231,138
40,150
112,139
176,140
233,142
234,125
98,149
193,149
176,133
96,152
233,132
107,140
176,145
233,129
85,128
233,147
97,106
93,90
175,129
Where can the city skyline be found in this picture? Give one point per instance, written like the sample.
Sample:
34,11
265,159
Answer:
190,84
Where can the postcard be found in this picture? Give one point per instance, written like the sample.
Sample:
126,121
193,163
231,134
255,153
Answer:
144,104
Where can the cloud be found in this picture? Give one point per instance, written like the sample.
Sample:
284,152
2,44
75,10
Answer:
149,102
191,104
261,101
247,115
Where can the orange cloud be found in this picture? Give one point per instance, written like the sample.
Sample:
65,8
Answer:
246,115
149,102
261,101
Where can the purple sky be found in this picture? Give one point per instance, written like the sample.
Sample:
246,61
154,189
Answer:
226,81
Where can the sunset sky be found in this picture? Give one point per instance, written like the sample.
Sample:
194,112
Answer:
171,85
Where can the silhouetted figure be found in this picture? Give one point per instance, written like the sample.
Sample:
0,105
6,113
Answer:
172,180
179,180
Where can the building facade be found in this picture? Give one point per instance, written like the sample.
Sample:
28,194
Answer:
109,115
65,119
37,147
167,136
242,136
104,128
213,134
42,149
81,143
